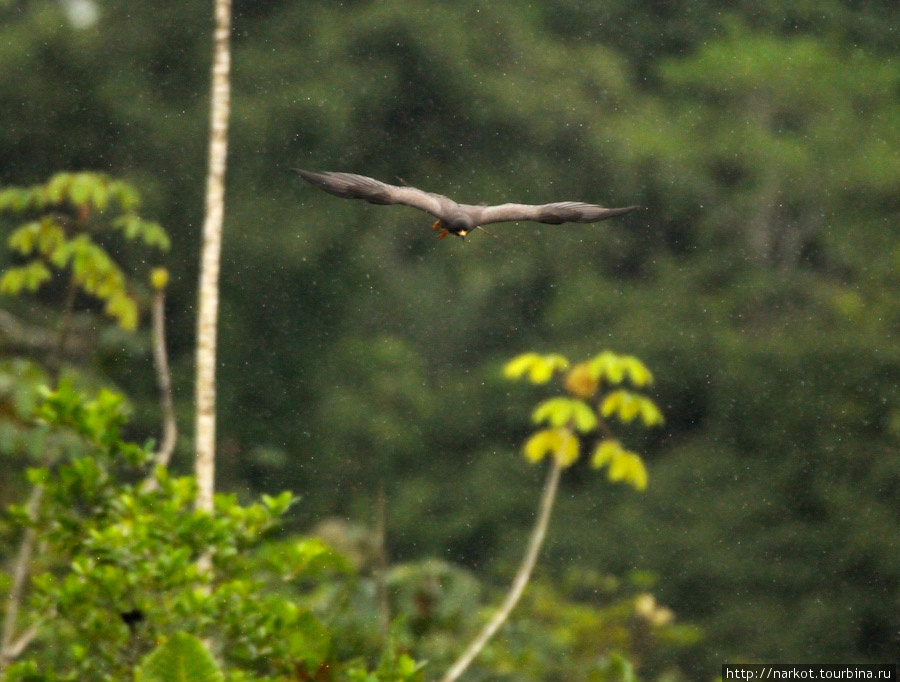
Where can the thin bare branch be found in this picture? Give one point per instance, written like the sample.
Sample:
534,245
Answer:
20,337
8,648
523,575
164,382
17,647
65,326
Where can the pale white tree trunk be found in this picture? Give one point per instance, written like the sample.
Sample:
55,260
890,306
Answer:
205,431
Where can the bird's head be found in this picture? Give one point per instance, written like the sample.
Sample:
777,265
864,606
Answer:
460,225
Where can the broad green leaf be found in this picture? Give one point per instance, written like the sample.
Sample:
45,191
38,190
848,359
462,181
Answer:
100,195
154,235
279,503
81,189
28,277
309,641
182,658
151,233
50,237
13,199
24,237
58,187
124,194
124,309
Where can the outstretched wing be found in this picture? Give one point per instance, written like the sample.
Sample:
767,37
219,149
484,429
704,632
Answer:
555,214
351,186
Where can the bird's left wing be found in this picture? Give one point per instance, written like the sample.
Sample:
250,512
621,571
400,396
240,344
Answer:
561,212
351,186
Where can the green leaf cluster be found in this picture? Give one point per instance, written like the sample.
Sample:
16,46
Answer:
73,210
119,571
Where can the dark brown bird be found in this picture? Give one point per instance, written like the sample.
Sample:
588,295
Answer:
454,218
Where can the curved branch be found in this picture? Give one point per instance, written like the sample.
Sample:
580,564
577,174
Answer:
163,380
9,648
523,575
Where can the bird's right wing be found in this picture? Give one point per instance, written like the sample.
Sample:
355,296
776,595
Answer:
351,186
555,214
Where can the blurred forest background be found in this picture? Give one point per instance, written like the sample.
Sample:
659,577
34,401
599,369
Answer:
759,281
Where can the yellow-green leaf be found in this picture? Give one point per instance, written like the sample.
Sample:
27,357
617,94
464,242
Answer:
561,443
605,452
81,188
50,237
515,368
124,309
623,466
28,277
22,238
540,368
650,414
125,194
57,187
100,196
628,468
637,371
565,411
614,369
626,406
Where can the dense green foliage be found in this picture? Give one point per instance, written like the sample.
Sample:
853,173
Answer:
118,571
763,141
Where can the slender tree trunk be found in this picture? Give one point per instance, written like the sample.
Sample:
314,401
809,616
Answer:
205,430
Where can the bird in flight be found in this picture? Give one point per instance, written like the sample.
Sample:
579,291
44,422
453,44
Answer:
453,218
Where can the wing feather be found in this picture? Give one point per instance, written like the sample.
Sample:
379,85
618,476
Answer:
555,214
352,186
